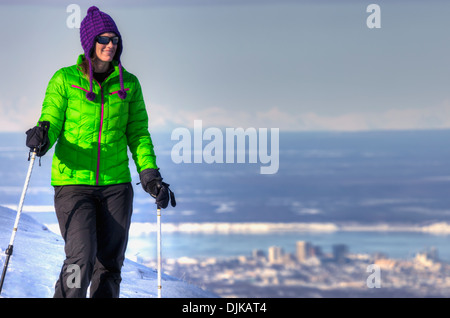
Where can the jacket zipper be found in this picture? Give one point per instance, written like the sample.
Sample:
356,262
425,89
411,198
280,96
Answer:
99,135
97,174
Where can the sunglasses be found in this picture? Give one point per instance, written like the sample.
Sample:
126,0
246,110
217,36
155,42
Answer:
105,39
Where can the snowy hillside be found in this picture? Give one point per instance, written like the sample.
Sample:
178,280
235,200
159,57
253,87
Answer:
38,256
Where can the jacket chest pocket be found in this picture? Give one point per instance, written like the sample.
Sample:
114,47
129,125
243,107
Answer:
117,92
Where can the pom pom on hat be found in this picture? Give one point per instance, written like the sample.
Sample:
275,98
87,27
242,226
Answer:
92,9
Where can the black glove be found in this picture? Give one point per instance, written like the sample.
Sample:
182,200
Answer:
152,183
37,138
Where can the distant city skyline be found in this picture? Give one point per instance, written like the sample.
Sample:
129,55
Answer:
340,274
293,65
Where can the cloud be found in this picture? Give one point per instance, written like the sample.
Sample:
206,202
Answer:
434,117
18,115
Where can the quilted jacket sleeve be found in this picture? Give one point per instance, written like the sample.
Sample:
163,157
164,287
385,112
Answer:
138,136
54,105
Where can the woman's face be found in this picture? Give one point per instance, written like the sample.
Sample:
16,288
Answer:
106,52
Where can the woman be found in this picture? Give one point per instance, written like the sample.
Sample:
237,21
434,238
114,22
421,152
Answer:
96,110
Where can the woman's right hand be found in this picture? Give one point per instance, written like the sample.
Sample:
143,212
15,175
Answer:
37,138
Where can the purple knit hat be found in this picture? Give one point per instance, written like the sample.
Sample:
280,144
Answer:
95,23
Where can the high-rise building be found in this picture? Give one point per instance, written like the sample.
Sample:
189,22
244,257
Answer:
258,254
275,255
304,250
340,252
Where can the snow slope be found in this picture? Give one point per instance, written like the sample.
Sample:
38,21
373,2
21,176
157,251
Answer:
38,256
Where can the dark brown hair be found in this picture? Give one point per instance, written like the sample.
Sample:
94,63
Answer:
85,65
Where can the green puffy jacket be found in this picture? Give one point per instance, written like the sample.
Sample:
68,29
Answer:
92,137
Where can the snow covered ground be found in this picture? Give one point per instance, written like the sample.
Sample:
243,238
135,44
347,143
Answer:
38,256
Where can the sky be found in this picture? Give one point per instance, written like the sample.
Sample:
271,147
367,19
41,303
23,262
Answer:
292,65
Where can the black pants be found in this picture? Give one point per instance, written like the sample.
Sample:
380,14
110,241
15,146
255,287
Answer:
94,222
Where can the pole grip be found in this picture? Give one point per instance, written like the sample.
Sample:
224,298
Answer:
9,250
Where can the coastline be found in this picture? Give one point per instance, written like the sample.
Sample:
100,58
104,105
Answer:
143,228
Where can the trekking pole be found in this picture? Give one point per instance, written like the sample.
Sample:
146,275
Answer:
37,148
158,247
158,236
9,250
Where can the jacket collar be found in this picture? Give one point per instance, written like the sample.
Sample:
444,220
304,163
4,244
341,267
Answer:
115,64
